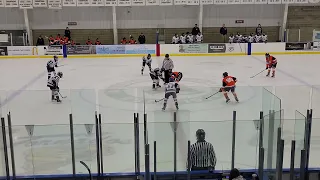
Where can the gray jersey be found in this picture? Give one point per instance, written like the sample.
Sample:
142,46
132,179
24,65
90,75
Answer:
167,64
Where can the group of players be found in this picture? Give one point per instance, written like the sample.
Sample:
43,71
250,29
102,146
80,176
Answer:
171,82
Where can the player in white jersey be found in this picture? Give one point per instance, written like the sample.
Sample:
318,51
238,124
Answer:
231,38
51,65
251,38
183,38
258,38
199,38
175,39
190,39
53,84
171,89
264,38
239,38
155,75
146,60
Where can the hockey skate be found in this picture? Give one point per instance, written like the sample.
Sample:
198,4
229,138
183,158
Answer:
153,86
177,105
52,98
268,74
236,98
58,99
141,72
158,86
273,74
228,100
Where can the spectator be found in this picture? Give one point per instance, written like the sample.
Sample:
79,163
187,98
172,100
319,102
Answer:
195,30
223,32
97,42
124,40
132,41
89,42
40,41
259,30
67,33
142,39
235,175
202,155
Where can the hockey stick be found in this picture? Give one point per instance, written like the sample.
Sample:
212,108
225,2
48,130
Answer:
159,100
212,95
257,74
61,95
86,166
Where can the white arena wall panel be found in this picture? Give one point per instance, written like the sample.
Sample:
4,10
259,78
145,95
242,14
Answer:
11,19
143,17
86,18
253,14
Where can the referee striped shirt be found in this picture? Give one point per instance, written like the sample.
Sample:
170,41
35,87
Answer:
167,64
202,155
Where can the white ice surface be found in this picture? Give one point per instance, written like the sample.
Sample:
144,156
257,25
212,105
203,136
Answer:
116,88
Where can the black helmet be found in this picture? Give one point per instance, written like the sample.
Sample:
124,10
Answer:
167,56
200,135
149,55
225,74
267,54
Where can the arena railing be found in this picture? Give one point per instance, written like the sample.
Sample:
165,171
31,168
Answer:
78,135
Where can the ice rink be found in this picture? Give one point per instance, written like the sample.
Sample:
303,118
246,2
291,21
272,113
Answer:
115,87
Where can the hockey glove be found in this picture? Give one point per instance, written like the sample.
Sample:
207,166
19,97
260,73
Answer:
177,90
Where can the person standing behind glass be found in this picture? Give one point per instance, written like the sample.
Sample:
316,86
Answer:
202,154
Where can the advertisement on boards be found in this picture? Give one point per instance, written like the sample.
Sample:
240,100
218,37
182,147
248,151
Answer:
53,50
3,51
22,50
216,48
193,48
81,49
111,49
140,49
298,46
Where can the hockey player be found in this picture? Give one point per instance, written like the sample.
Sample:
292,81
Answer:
155,76
53,84
229,84
145,61
171,89
51,65
177,76
271,63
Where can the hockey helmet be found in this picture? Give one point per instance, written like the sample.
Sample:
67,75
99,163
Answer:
156,69
225,74
167,56
171,79
149,56
55,57
267,54
60,74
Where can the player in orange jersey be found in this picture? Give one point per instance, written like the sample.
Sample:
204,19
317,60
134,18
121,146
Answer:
229,84
177,76
271,63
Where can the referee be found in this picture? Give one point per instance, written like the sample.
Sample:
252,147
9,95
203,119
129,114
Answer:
202,153
167,66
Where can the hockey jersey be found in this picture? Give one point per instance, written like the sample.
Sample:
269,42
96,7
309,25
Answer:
52,63
171,87
146,60
53,81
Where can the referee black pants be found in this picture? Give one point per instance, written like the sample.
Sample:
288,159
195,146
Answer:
167,75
